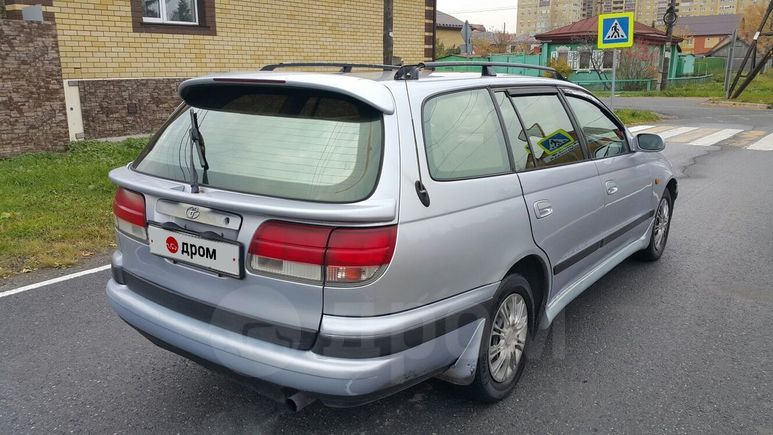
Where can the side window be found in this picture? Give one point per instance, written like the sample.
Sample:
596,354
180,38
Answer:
549,130
603,136
521,152
463,137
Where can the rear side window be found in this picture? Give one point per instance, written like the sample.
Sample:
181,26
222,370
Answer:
552,136
463,137
292,144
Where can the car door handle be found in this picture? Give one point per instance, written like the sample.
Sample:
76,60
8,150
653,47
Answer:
611,187
543,209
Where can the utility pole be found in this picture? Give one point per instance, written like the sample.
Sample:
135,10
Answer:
754,68
388,31
729,66
669,18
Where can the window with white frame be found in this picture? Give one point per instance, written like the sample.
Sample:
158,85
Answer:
170,11
584,59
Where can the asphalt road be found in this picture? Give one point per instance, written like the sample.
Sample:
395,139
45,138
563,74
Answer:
681,345
698,112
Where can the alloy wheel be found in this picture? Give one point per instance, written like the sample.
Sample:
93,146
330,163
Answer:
509,330
661,224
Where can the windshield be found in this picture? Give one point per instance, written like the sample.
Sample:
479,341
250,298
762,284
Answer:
292,144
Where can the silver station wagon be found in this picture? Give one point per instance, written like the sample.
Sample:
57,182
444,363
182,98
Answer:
340,236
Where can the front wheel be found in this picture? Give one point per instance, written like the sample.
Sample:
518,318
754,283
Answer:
660,229
505,339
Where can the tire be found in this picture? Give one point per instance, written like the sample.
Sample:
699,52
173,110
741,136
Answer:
660,230
494,384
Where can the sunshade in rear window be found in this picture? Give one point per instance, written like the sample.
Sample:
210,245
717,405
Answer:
289,143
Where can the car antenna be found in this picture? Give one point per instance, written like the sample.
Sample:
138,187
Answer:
197,143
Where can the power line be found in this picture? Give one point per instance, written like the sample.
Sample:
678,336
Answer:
483,10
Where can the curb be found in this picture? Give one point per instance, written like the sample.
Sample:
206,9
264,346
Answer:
726,103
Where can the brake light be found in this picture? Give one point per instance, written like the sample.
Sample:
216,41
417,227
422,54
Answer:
317,253
356,254
289,249
129,211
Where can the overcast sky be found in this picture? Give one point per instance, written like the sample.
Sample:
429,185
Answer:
491,13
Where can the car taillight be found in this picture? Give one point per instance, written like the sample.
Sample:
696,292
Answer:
356,254
289,249
317,253
129,211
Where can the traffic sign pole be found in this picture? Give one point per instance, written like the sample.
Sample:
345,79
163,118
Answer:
467,37
614,70
615,31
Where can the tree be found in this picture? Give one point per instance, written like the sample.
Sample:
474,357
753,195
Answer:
752,16
561,66
481,45
501,42
442,51
522,48
639,62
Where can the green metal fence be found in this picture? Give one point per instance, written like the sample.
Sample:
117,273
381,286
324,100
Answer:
701,71
528,59
639,85
620,85
686,81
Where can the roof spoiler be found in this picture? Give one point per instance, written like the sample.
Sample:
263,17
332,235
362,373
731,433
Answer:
369,92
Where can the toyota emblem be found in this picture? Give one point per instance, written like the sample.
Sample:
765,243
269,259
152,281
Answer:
192,212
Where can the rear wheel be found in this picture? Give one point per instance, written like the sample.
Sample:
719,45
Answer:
660,229
505,339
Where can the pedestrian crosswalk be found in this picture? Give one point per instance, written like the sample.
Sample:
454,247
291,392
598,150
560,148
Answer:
708,136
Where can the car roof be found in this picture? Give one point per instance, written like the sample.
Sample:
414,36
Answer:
372,88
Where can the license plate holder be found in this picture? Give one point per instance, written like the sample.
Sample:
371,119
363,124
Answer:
224,257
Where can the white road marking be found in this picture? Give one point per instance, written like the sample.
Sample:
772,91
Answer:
637,128
676,132
716,137
53,281
764,144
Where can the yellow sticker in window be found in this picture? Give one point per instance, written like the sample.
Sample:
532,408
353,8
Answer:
556,142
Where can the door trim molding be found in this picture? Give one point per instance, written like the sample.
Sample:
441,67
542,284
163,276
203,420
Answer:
576,258
570,292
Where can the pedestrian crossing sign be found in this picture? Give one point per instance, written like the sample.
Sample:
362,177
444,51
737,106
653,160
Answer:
616,30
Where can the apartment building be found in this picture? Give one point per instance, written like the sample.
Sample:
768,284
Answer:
539,16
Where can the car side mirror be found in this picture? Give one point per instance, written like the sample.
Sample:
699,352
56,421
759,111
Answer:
650,142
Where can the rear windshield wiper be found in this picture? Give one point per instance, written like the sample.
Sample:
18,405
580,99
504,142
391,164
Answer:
197,143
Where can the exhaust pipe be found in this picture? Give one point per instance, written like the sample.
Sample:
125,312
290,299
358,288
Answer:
299,400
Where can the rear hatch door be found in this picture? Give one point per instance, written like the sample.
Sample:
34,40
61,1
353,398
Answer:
298,154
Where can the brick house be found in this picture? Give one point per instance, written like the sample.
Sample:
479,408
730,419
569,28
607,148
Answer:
121,60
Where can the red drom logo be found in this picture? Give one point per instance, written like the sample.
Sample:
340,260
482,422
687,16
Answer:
171,244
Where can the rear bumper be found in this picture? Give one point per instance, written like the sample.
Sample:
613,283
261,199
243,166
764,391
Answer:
337,381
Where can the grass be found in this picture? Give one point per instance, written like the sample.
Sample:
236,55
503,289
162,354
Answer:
55,208
634,116
760,90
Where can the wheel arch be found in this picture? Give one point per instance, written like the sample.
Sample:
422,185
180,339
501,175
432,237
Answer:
672,188
536,271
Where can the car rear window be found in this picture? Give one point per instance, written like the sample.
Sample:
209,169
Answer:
288,143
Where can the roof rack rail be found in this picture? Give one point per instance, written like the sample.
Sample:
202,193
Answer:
345,67
411,72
